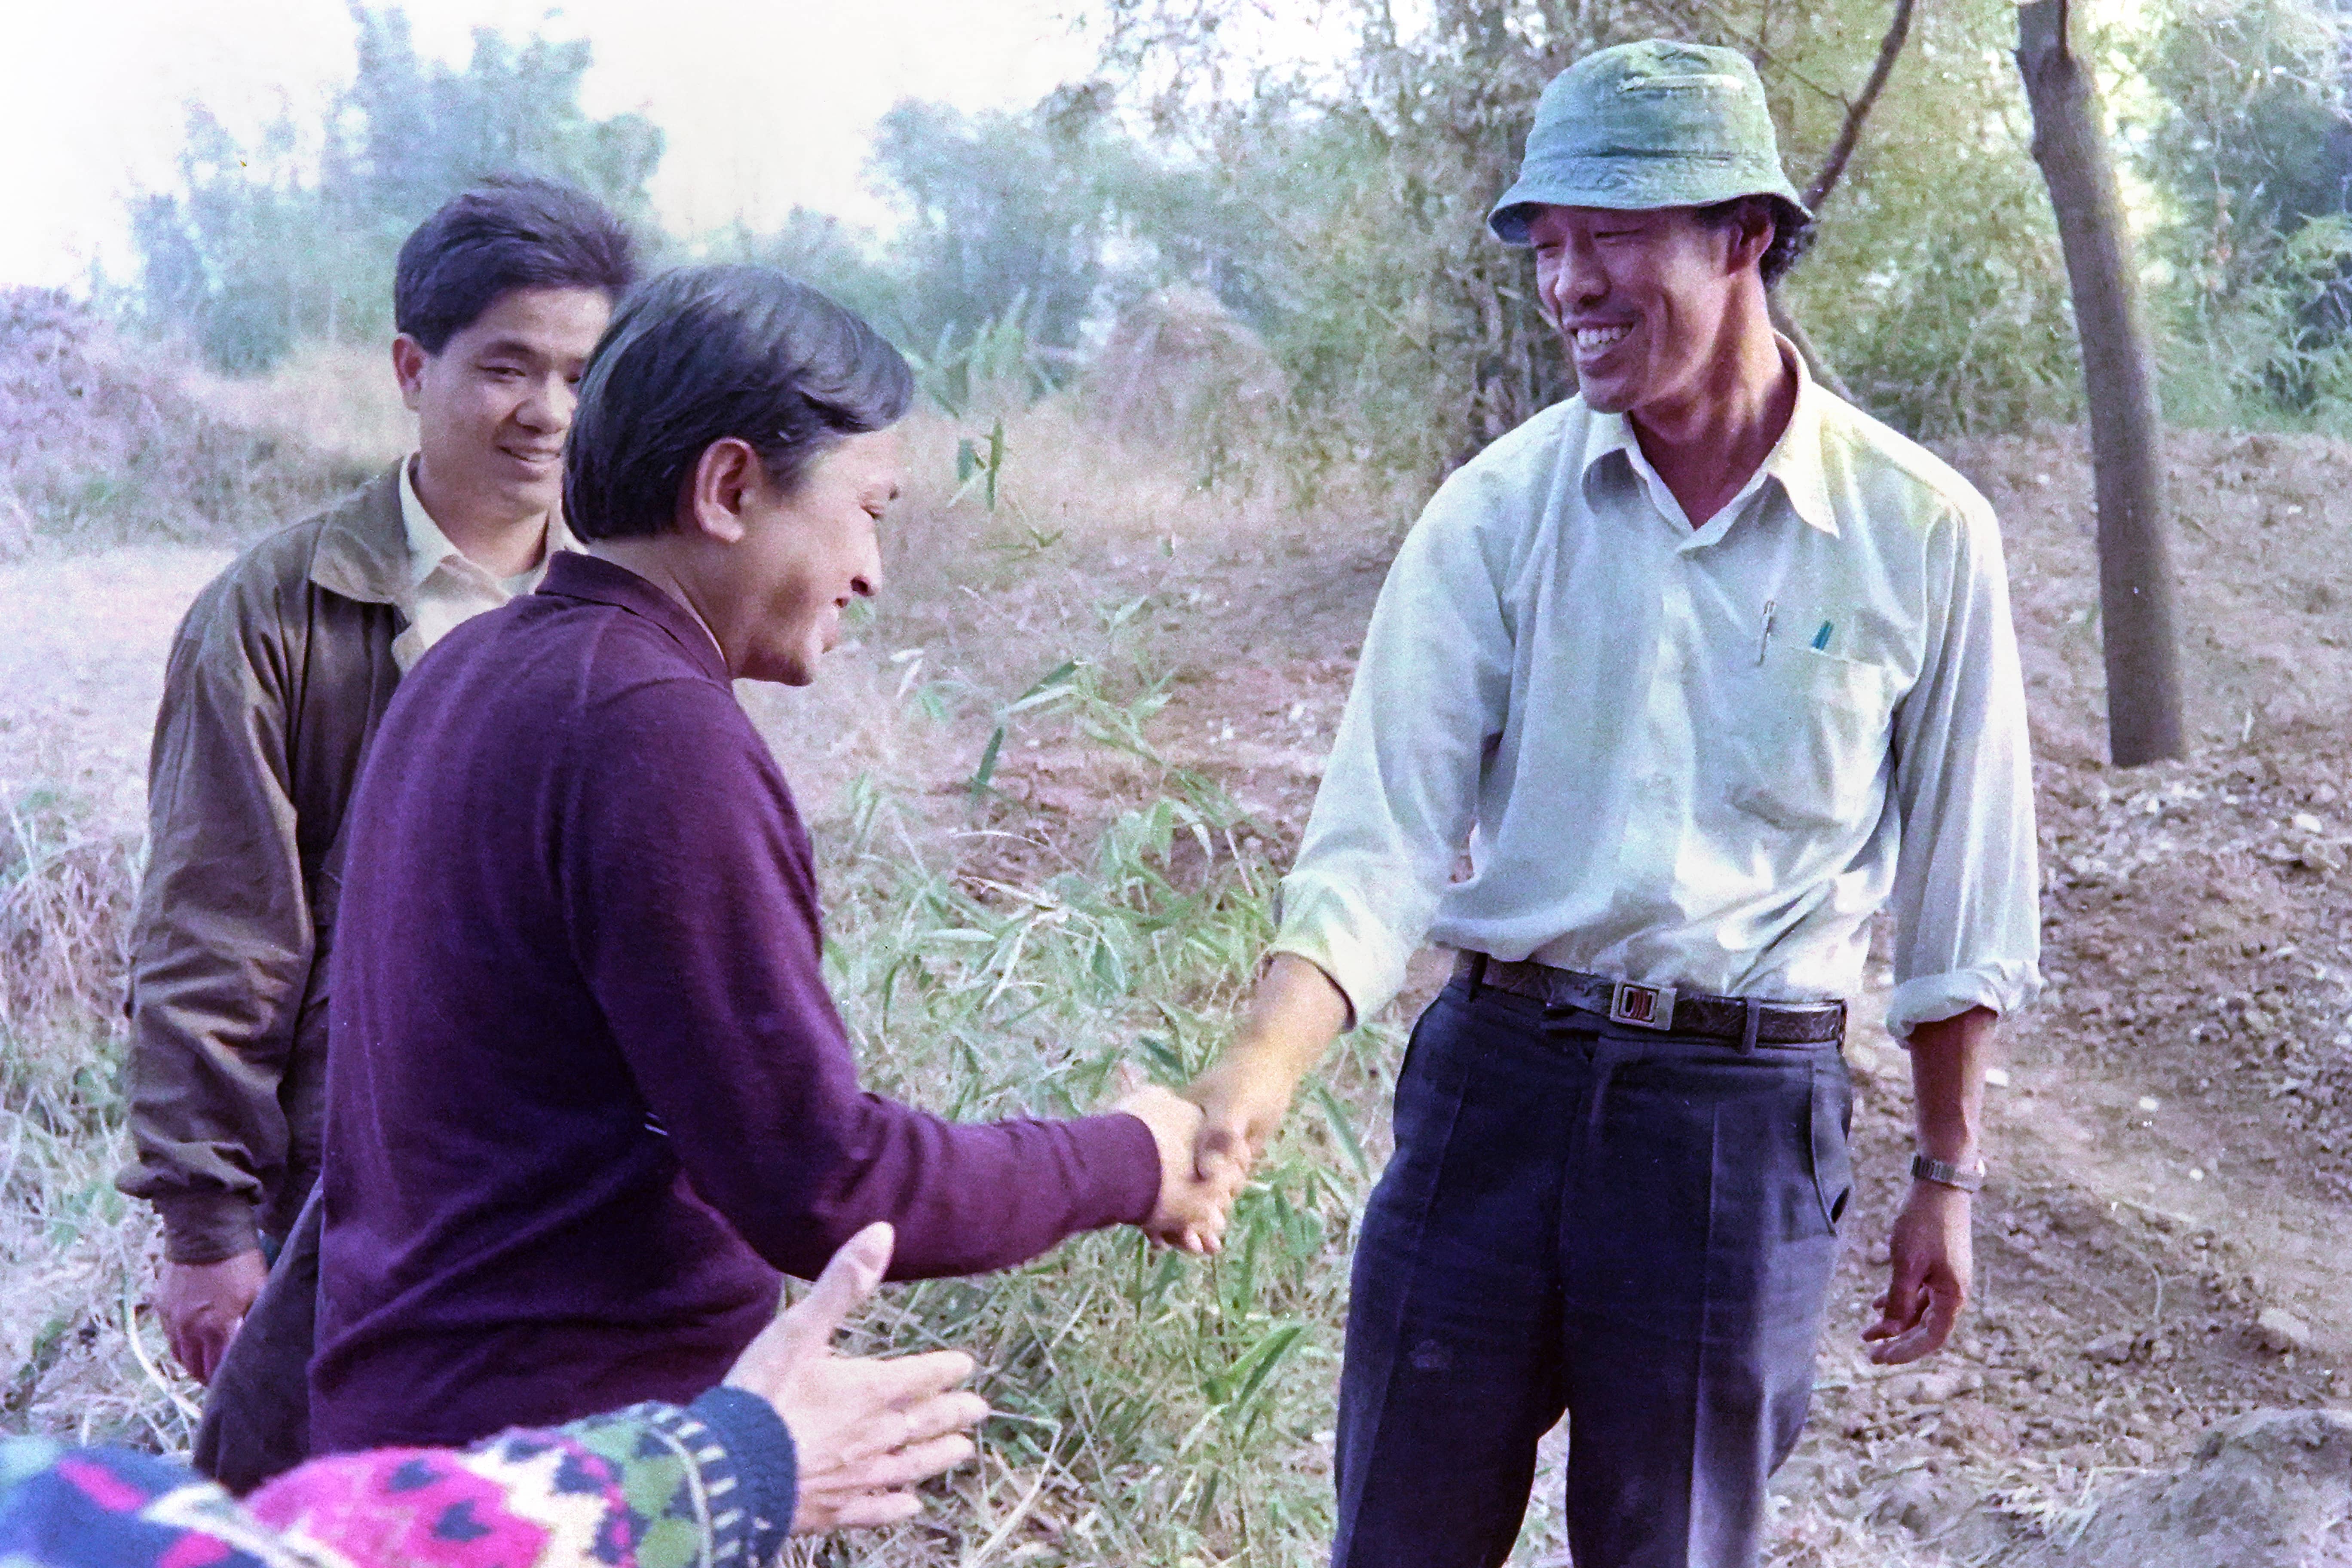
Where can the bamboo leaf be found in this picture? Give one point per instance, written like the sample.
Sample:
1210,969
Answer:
1238,1384
987,769
1343,1130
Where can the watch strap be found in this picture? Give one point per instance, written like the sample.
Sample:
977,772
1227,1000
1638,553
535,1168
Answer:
1967,1179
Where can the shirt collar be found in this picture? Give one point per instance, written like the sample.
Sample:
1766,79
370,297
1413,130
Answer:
1794,461
580,575
428,546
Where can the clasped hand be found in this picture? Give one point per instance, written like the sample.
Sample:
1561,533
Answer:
1211,1136
1195,1200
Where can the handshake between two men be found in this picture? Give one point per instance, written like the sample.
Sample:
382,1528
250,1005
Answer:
1196,1192
1212,1134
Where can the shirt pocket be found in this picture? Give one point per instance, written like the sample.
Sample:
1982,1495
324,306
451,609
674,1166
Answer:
1809,735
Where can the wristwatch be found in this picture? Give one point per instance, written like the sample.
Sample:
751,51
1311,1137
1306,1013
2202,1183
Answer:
1965,1178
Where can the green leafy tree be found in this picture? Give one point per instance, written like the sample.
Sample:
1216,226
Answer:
1008,217
266,246
2251,137
824,252
2250,140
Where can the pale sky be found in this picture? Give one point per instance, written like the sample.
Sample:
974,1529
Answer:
767,103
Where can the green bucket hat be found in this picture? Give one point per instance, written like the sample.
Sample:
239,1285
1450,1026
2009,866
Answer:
1653,124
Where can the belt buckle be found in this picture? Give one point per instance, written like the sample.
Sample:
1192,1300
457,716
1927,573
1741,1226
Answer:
1643,1006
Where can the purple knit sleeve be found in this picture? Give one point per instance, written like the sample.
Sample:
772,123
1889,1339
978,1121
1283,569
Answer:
692,897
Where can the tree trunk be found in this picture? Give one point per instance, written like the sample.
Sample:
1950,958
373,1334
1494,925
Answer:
2143,659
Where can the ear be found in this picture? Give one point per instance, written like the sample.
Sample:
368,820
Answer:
408,357
724,480
1752,235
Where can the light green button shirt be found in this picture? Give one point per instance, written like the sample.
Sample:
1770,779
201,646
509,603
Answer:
1698,758
446,588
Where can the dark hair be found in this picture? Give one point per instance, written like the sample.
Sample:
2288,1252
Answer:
505,233
1793,231
705,352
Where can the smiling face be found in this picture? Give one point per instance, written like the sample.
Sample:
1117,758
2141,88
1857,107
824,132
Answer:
804,557
1643,300
492,407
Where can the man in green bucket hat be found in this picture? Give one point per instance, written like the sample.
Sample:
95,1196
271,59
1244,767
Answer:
1698,670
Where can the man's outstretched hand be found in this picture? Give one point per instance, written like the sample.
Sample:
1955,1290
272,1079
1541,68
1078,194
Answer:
203,1304
1295,1014
1243,1101
865,1430
1191,1214
1930,1266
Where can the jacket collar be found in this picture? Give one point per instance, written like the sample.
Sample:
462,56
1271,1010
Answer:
575,574
362,550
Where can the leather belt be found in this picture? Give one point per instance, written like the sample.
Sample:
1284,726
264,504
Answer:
1743,1020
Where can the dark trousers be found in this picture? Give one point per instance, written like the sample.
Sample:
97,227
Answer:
1635,1228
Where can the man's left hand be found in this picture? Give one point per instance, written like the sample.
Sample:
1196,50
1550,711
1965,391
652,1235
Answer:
1930,1267
865,1430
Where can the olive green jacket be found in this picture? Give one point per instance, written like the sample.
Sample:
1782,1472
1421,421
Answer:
275,682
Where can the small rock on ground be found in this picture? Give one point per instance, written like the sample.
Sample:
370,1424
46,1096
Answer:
2282,1332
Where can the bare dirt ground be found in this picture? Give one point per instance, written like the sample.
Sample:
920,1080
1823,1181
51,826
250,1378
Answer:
2173,1146
82,641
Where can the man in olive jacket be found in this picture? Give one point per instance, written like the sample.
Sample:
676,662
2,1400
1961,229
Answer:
276,682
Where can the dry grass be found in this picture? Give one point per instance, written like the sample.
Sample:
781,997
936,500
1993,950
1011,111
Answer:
76,1255
1096,553
64,910
101,449
337,399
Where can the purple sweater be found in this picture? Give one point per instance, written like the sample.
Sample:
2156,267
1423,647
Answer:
586,1090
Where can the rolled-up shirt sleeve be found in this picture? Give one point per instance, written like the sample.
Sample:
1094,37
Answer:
1399,791
1967,891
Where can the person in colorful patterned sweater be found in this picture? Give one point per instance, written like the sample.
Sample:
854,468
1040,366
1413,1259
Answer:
798,1440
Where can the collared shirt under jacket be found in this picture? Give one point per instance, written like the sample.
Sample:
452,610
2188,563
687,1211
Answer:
1700,758
446,587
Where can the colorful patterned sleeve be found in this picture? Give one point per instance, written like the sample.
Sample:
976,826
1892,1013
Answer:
710,1486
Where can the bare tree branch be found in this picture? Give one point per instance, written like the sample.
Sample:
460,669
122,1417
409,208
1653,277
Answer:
1858,110
1785,323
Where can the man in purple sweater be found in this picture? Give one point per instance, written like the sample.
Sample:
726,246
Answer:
587,1093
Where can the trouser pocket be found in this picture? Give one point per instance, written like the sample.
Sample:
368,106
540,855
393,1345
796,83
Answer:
1832,1122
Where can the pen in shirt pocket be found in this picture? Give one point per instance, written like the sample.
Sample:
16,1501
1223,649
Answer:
1764,636
1822,638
